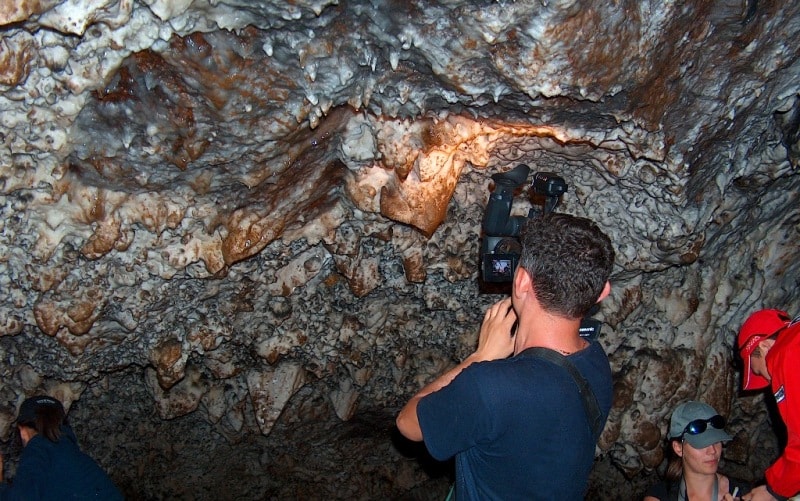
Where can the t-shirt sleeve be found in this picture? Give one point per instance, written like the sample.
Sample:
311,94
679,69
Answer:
454,418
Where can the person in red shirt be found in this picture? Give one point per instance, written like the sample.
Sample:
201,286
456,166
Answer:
769,344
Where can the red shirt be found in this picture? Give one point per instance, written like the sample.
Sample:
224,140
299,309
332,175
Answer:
783,364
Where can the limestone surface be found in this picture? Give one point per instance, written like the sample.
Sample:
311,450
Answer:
239,234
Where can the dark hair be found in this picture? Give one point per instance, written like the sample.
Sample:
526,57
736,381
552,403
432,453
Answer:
569,260
47,421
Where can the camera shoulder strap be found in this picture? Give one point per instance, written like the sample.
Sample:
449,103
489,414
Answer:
590,404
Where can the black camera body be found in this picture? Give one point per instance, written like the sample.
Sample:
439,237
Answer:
501,247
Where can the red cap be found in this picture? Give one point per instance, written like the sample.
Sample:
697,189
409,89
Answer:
759,325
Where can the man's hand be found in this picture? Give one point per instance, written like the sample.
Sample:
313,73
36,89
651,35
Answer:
760,493
496,340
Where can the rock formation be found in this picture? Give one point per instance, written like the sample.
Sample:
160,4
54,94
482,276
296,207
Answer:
236,236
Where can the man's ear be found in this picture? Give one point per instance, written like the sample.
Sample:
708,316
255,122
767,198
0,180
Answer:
522,281
606,291
765,344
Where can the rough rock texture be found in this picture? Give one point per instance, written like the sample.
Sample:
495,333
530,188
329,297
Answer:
237,235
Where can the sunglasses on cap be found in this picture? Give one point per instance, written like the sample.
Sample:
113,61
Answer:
698,426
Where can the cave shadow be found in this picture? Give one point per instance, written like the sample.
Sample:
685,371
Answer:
435,469
776,423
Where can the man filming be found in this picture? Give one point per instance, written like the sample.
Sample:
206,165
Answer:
515,420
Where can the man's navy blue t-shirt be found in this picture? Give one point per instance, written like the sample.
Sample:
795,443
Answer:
517,426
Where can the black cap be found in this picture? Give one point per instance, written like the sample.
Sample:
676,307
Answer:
28,409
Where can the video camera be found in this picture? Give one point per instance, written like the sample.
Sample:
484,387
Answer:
501,247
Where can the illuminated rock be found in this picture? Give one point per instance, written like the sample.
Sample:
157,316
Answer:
192,191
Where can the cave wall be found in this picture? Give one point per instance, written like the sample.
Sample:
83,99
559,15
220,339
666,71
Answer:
243,224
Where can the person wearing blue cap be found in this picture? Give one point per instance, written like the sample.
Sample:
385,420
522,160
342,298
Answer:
52,466
696,435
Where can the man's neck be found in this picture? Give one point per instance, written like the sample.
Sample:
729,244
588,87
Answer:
549,331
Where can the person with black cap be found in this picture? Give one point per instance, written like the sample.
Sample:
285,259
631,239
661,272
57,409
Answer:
769,344
52,466
696,435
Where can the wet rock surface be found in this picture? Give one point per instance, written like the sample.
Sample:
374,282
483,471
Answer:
236,237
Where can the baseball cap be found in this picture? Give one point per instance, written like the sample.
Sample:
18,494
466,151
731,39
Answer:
690,411
28,409
759,325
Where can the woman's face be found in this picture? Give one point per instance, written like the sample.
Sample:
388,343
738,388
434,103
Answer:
703,461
